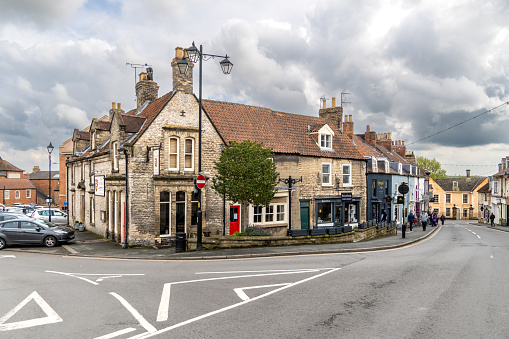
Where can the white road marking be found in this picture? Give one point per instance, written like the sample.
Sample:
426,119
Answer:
267,271
116,334
206,315
242,295
70,249
135,313
473,232
164,305
478,236
52,316
491,257
102,276
7,256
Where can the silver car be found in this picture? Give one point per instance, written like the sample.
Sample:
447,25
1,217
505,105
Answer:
57,216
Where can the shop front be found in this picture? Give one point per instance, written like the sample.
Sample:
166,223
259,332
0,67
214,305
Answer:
337,211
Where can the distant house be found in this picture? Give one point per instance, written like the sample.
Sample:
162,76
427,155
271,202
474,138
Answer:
457,197
14,188
40,179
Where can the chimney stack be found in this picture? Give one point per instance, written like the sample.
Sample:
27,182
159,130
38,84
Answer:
348,126
370,137
333,114
36,169
146,88
182,82
468,173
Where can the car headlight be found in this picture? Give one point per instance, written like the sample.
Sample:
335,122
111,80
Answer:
60,231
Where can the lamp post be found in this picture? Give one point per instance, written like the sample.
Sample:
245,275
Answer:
50,150
195,55
290,182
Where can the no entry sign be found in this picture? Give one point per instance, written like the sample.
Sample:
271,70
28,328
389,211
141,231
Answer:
200,181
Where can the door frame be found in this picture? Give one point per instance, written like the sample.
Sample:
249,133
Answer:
238,218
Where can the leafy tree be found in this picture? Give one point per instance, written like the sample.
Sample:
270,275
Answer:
432,166
246,173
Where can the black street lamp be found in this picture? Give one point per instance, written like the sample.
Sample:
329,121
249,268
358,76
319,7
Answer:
290,182
50,150
194,56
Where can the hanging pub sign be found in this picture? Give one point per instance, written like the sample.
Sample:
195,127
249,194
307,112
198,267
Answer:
155,160
99,185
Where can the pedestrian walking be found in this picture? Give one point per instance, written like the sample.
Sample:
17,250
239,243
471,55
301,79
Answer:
442,219
411,220
384,215
492,219
424,220
435,219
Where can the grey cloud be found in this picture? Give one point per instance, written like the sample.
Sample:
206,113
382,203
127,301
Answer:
43,14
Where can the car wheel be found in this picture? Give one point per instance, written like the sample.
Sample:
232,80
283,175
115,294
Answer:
2,243
50,241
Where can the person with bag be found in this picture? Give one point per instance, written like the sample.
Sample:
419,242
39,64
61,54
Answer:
424,220
435,219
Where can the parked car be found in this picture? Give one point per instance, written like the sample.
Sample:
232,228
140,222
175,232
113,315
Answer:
15,209
2,208
57,216
10,216
27,209
27,231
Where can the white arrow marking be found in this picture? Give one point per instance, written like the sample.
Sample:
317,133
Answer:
242,295
52,316
102,276
135,313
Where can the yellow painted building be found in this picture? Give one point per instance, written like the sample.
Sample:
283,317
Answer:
456,198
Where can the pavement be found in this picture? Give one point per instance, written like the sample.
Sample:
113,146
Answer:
88,244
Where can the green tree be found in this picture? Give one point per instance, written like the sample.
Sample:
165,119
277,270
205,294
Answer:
431,165
246,173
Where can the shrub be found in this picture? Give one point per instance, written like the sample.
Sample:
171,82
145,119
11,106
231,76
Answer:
254,230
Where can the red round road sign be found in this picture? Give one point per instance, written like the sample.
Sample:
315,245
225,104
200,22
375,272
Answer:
200,181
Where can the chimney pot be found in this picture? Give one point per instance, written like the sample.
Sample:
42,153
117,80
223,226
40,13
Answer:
179,52
324,104
112,105
118,105
367,128
389,136
468,173
333,102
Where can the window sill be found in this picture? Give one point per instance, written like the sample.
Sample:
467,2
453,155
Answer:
348,185
327,185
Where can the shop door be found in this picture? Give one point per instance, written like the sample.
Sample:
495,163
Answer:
234,219
304,217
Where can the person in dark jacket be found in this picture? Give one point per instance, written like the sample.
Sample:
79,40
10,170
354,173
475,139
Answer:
442,219
492,219
411,220
384,215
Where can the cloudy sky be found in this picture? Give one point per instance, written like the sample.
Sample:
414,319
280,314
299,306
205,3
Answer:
413,68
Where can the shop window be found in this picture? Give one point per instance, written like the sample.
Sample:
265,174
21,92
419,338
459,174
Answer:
174,153
324,214
347,175
189,155
326,174
164,213
194,209
180,213
351,213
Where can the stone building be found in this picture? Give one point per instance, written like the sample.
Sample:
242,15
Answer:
130,174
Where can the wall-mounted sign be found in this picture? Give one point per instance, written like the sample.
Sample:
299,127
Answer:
155,154
346,197
99,185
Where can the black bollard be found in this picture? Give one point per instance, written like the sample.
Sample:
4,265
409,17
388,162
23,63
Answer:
403,230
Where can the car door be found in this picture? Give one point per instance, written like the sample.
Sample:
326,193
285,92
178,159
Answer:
11,231
58,218
30,233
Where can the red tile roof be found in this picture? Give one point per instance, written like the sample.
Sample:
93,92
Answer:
11,184
283,132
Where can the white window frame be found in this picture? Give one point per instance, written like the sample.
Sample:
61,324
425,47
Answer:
463,198
115,156
189,154
327,175
374,165
349,175
277,214
7,194
29,194
447,211
495,187
436,198
326,141
17,195
176,154
455,184
93,141
448,195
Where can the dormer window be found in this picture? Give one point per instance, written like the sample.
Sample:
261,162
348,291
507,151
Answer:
400,168
326,141
374,166
455,184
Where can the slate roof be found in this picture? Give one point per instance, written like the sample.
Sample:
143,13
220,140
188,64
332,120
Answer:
285,133
485,189
365,148
464,184
6,166
44,175
11,184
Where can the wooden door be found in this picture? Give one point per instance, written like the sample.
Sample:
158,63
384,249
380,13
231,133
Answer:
234,219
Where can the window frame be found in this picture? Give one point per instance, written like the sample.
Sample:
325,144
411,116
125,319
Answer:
29,194
448,197
17,195
326,141
327,174
436,198
465,195
271,214
176,154
191,155
349,175
115,157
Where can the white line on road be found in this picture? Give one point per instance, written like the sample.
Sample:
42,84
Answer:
478,236
51,315
7,256
267,271
242,295
116,334
491,257
206,315
70,249
101,275
135,313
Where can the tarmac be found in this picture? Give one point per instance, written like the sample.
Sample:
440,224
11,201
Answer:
91,245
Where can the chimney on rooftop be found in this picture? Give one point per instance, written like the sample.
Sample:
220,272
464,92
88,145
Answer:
182,82
333,114
468,173
36,169
370,137
146,88
348,126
